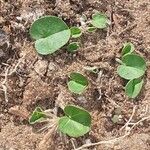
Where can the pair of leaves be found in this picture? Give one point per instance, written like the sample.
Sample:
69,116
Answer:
133,67
75,123
78,83
50,33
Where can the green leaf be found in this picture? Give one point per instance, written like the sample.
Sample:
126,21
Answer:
78,83
73,47
134,66
75,32
134,87
50,33
37,116
128,48
76,123
100,20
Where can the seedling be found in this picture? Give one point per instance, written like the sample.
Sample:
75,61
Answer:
50,33
75,32
37,116
134,87
78,83
73,47
132,68
128,48
75,123
100,20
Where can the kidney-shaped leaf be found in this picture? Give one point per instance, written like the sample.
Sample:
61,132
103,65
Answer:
133,87
100,20
75,32
50,33
73,47
37,115
76,123
77,83
133,66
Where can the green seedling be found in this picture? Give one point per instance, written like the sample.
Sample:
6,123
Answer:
37,116
134,66
128,48
75,123
134,87
73,47
92,69
100,20
50,33
78,83
75,32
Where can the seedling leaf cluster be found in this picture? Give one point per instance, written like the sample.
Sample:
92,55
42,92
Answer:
75,123
51,33
77,83
132,68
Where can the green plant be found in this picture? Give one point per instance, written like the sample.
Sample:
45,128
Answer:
75,32
37,116
128,48
73,47
77,83
75,123
134,87
50,33
100,20
132,68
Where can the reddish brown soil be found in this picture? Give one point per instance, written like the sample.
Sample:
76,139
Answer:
34,80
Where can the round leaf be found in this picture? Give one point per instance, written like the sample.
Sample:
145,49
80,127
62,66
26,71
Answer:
50,33
128,48
77,83
72,47
133,87
76,123
75,32
133,67
100,20
75,87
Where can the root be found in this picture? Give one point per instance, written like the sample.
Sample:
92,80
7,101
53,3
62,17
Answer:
113,141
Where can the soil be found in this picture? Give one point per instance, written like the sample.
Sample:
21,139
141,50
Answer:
28,80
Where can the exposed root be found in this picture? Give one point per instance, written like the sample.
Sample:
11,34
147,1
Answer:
49,134
102,142
113,141
4,84
131,117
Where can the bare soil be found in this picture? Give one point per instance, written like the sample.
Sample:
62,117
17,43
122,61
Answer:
28,80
